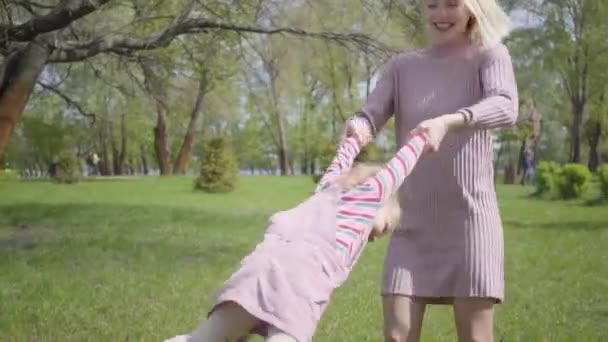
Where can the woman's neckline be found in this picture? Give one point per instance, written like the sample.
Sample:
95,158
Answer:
450,49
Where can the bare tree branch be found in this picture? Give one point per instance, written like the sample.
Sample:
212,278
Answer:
69,101
119,44
62,16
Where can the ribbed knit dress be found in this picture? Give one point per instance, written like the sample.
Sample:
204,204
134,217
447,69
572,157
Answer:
450,242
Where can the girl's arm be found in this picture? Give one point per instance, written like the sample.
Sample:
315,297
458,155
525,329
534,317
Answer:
343,161
388,180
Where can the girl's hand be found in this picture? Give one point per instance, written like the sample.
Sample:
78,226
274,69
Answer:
359,129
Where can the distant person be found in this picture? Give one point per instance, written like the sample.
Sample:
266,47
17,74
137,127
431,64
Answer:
528,168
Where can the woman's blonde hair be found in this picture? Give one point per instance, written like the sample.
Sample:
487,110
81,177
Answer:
490,24
388,217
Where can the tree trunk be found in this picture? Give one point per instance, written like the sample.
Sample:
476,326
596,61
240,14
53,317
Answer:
161,143
283,161
17,80
509,174
144,160
115,153
104,162
158,92
181,162
123,142
578,108
594,141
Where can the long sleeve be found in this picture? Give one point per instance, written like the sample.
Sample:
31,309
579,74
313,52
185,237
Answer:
499,106
358,206
380,104
343,161
390,178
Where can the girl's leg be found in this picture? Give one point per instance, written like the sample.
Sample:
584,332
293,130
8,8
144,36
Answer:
275,335
227,323
474,319
402,318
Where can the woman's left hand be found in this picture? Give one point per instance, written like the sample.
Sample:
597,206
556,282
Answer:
438,127
435,130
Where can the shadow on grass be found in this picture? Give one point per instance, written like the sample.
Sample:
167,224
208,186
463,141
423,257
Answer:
560,225
134,231
596,202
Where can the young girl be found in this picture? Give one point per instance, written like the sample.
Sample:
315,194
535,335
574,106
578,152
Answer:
282,288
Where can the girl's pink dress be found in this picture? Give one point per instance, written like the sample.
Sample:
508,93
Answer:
309,250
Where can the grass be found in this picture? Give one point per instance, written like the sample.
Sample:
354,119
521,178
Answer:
140,260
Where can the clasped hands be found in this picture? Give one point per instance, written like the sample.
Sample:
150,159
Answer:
435,130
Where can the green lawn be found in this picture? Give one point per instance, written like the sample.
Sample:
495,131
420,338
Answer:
140,260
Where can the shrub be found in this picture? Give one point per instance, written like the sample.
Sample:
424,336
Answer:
573,181
219,167
602,173
68,168
8,175
546,177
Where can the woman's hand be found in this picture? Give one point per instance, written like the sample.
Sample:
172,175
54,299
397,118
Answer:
437,128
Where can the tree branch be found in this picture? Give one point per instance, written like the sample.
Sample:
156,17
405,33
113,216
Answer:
62,16
69,101
119,44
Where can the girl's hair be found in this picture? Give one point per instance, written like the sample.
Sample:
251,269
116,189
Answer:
388,217
490,24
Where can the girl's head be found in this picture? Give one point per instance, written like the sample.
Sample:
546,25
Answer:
452,21
388,217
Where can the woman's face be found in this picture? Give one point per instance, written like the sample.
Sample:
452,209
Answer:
446,20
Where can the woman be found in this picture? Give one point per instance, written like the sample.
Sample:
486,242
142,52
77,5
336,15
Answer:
449,248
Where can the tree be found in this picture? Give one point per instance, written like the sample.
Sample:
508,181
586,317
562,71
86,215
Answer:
59,34
571,39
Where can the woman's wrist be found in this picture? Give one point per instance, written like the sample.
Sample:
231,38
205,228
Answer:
455,121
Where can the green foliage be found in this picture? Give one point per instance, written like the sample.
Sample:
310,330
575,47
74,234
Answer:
219,168
68,169
546,177
574,180
8,175
602,173
370,153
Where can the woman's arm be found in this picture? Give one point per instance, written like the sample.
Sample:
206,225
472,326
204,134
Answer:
379,106
499,106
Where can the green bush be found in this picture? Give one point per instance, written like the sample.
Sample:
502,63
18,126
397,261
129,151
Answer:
573,181
546,177
8,175
219,167
602,175
68,168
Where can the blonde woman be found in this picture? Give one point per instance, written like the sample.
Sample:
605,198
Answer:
449,247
